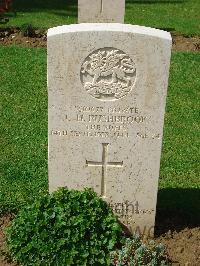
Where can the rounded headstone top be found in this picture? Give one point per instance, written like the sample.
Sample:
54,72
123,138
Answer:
113,27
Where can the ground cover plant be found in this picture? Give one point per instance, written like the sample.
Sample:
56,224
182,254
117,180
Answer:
135,252
68,227
181,16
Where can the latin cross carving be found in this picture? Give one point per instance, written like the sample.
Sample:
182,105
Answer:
104,164
101,11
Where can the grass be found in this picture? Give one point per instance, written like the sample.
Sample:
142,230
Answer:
181,150
23,150
179,193
23,138
180,16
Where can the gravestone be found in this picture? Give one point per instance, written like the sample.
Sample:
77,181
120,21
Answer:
107,86
105,11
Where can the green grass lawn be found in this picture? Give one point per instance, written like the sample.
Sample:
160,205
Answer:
23,150
181,16
24,129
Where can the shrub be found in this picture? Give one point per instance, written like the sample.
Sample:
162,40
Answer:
68,227
134,252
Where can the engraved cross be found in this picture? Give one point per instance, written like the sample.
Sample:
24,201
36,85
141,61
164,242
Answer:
104,164
101,11
102,2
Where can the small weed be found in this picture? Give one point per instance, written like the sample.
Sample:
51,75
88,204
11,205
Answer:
27,30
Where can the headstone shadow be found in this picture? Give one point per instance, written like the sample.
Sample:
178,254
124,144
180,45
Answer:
177,209
154,2
38,5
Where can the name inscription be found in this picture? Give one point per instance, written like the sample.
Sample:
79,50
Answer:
103,122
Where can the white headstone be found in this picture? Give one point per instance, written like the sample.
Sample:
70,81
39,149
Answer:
107,86
101,11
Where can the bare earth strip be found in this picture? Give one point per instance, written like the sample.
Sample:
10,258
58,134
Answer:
14,36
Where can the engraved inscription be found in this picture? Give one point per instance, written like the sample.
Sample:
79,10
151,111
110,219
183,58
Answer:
104,122
126,209
104,164
108,74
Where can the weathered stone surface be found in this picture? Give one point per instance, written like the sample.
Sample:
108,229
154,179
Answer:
101,11
107,86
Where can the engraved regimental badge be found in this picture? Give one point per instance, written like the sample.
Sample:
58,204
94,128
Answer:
108,74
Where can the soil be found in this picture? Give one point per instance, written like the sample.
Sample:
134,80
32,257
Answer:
182,43
4,222
182,247
11,36
38,38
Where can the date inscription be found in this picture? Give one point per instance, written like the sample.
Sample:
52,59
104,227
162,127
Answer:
101,122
